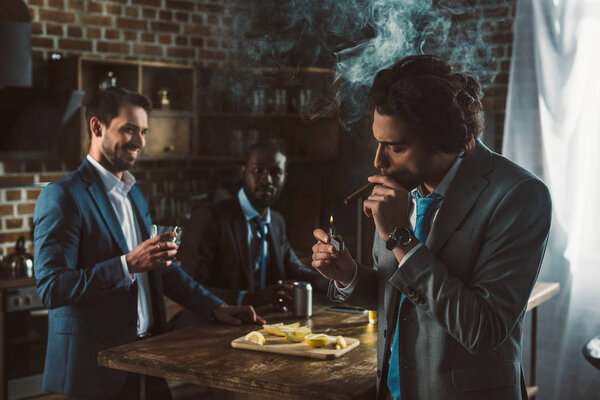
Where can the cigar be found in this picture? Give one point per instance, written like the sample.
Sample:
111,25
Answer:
359,193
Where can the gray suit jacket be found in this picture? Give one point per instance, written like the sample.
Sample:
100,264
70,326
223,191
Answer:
466,290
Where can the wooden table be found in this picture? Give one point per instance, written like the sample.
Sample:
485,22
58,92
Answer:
202,355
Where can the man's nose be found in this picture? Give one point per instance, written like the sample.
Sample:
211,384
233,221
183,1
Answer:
380,160
265,176
138,139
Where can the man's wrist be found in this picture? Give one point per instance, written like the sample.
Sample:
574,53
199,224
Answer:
401,251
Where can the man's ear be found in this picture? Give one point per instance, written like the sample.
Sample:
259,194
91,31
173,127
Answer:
96,127
242,172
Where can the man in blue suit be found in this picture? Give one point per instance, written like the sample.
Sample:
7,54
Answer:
98,271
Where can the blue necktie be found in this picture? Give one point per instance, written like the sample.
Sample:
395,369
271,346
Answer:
261,229
422,228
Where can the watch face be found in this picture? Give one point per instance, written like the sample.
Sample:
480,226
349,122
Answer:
400,236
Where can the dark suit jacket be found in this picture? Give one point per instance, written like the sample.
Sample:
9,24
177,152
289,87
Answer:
466,292
215,252
78,243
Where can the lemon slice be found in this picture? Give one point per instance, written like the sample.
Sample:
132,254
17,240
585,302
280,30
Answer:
271,328
317,339
340,343
296,335
255,337
275,329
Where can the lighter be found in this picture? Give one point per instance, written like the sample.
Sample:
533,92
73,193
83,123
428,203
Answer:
335,241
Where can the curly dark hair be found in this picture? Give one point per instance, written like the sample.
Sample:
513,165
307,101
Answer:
105,104
442,107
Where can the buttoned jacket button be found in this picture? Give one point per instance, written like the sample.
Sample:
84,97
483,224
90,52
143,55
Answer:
385,333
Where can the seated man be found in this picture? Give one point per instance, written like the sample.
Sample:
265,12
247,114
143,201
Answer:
238,248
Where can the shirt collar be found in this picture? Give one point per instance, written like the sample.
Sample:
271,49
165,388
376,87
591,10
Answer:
442,188
249,211
110,180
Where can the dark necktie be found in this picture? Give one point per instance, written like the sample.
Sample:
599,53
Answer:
422,227
259,247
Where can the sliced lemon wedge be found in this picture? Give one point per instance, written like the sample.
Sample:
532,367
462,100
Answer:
296,335
271,328
340,343
276,329
255,337
317,339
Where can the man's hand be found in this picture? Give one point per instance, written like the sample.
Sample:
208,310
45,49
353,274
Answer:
279,295
152,253
330,263
387,205
235,315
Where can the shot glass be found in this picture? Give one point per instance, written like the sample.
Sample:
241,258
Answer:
159,229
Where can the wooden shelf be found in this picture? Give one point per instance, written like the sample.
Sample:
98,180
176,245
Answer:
294,105
171,113
173,130
309,117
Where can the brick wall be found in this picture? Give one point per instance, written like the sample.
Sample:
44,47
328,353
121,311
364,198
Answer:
17,202
497,17
180,31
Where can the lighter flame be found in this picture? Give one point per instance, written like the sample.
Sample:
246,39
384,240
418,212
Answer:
331,219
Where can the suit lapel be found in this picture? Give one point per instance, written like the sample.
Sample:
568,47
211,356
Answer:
98,194
462,194
137,200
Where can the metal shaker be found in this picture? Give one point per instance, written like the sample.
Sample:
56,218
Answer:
302,306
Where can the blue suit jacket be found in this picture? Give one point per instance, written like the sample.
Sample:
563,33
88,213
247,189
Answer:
78,243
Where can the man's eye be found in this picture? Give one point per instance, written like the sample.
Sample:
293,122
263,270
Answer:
397,149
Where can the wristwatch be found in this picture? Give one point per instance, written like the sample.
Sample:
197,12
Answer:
400,236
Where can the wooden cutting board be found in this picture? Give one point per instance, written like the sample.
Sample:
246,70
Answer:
277,344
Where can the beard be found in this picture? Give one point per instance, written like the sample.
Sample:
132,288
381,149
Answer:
118,157
261,197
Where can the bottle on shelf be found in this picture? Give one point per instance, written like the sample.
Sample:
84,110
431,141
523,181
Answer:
109,81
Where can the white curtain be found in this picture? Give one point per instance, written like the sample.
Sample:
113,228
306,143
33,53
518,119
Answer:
552,128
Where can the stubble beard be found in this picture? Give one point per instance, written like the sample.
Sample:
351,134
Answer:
118,164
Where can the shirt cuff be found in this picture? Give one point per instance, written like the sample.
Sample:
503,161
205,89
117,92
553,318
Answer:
240,297
410,253
127,276
342,293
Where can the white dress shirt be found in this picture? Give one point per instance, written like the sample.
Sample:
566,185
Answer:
117,191
441,190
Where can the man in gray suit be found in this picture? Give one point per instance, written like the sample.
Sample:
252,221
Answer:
461,233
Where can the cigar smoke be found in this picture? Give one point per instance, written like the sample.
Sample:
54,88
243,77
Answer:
357,38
